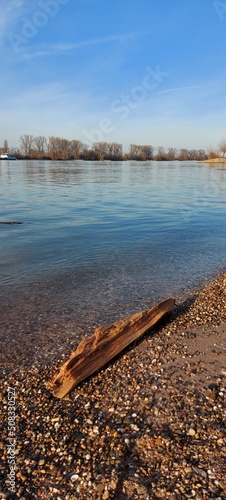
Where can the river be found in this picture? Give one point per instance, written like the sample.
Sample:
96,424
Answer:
111,236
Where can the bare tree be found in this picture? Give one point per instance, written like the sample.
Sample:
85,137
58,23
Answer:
184,154
201,154
88,153
114,151
133,151
55,148
172,154
75,149
212,153
63,148
161,154
146,152
26,143
5,146
222,146
40,145
52,148
101,150
141,153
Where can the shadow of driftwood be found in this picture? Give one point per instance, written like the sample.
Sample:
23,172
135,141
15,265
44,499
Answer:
178,311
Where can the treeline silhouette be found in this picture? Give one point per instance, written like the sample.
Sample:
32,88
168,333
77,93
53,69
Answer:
58,148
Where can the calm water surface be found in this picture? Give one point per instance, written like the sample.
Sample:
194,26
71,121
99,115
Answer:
130,231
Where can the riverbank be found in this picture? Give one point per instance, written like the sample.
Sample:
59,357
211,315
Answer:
215,160
149,426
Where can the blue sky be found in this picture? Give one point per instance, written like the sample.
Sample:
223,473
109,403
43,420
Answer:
145,72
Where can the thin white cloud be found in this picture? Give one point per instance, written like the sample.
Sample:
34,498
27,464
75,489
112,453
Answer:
62,48
98,41
178,89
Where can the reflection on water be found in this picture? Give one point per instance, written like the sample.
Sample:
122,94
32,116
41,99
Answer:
144,227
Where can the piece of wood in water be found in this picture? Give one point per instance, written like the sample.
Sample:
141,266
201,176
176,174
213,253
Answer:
108,341
11,223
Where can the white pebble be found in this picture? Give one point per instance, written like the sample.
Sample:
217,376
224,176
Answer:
74,477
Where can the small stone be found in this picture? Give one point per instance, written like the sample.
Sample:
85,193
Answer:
213,387
191,432
88,456
141,490
41,462
160,494
211,475
200,472
100,489
105,495
74,477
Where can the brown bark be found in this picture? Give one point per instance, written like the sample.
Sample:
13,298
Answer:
106,342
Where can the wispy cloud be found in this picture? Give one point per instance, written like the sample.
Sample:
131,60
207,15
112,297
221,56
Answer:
64,66
62,48
179,89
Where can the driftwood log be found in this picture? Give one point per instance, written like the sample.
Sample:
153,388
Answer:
106,342
11,223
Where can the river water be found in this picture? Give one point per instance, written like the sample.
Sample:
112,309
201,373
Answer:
117,235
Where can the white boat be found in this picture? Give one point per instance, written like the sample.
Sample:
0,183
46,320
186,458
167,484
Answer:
6,156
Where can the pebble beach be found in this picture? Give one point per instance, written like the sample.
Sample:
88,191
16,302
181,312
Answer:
150,425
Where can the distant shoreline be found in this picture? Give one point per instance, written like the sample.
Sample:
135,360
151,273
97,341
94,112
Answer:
215,160
210,160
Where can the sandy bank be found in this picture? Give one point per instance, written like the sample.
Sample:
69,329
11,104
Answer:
215,160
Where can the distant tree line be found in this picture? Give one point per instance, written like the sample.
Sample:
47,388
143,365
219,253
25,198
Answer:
58,148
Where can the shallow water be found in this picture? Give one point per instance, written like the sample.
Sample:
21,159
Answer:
115,235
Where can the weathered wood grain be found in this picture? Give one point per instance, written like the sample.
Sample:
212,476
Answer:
106,342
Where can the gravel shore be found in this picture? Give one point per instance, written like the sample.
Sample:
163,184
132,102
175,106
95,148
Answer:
151,425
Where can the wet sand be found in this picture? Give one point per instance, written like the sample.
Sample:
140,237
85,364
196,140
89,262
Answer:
149,426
